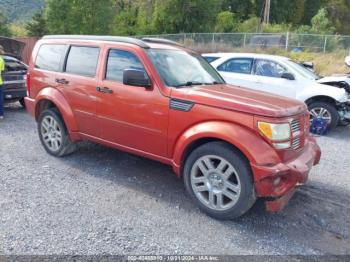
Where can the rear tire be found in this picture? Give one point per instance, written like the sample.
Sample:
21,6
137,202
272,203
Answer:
21,101
53,134
325,110
220,180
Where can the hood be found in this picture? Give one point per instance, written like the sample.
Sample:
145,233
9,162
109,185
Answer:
12,46
241,99
340,81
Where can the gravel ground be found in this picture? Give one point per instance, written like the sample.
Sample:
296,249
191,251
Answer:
100,200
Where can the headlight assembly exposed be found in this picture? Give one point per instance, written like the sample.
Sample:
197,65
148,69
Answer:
276,133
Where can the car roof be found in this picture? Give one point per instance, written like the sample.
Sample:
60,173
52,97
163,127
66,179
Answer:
253,55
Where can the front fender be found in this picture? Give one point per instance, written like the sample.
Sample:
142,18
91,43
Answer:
57,98
338,94
251,144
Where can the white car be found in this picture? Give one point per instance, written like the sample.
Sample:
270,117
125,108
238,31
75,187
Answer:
282,76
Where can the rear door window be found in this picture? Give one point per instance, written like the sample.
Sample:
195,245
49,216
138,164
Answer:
118,61
50,57
237,65
82,60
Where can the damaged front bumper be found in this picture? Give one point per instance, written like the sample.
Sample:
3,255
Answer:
344,111
278,183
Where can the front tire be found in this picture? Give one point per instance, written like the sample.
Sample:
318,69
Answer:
53,134
325,111
219,179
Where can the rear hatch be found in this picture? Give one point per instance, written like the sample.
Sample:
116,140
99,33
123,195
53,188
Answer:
12,46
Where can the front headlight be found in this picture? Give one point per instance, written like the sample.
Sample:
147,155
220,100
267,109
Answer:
275,132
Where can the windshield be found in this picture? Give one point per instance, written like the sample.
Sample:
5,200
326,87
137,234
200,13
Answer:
302,70
179,68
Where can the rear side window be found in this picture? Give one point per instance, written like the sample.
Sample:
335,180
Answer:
237,65
50,56
210,58
118,61
82,60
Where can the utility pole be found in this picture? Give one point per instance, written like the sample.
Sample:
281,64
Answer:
265,15
267,11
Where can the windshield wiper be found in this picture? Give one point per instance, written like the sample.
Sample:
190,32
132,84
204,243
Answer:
213,83
190,83
193,83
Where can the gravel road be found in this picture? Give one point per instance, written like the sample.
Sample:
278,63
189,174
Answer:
100,201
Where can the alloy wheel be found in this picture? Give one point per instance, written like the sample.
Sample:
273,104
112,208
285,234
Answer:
51,133
320,112
215,182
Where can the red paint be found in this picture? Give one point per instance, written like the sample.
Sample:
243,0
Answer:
138,120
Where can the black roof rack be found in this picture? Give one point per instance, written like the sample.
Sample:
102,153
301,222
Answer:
161,41
121,39
129,40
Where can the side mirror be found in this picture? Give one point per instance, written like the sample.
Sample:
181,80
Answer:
288,76
136,77
309,65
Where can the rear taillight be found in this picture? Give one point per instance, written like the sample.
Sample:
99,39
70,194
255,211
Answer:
28,84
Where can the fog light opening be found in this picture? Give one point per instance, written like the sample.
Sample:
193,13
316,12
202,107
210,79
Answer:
276,181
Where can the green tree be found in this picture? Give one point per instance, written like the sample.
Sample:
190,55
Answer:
250,25
58,16
17,30
125,22
225,22
176,16
80,16
242,9
4,26
296,11
38,26
311,8
339,15
283,11
321,24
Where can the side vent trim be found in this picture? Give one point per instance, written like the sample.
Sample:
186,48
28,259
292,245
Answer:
181,105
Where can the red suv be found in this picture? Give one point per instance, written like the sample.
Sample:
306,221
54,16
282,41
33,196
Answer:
157,99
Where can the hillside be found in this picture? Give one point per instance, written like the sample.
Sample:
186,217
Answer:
20,10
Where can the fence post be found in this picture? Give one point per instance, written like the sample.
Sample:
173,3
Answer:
287,42
244,40
213,42
325,44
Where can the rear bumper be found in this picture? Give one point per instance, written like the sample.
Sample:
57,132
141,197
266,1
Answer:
14,94
277,183
30,106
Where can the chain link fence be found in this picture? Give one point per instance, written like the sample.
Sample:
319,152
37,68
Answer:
214,42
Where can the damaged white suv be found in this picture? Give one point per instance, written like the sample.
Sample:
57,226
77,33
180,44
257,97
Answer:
282,76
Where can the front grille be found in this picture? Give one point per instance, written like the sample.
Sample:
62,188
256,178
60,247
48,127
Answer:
295,126
296,143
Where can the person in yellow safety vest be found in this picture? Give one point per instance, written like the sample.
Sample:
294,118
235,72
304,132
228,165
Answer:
2,69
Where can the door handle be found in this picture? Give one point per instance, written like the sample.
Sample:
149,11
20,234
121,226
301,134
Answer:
105,90
62,81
